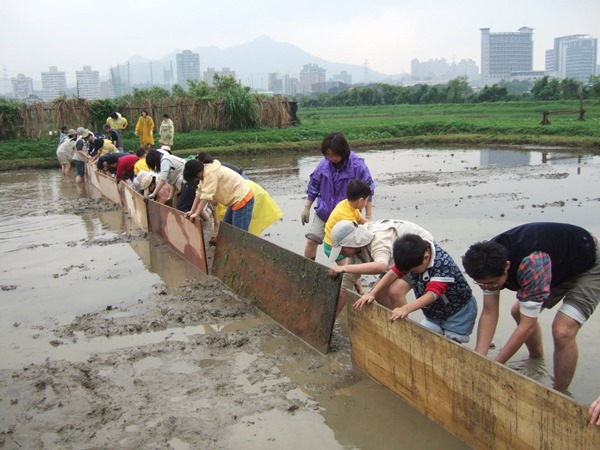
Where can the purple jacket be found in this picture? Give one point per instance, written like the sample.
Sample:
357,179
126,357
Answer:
330,185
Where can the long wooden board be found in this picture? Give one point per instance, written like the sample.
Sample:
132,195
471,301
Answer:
487,405
134,204
182,235
296,292
108,187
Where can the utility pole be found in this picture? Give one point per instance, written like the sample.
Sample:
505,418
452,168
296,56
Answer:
366,72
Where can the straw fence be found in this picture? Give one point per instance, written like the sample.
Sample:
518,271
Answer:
38,119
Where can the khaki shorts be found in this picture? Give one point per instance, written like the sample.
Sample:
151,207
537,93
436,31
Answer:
581,293
317,231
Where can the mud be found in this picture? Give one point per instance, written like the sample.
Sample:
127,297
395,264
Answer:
110,341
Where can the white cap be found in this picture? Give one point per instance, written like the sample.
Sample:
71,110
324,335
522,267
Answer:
346,233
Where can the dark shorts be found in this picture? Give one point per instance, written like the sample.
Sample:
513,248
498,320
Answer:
80,168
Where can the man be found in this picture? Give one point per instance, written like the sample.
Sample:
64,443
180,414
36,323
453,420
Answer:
371,247
544,263
81,155
114,137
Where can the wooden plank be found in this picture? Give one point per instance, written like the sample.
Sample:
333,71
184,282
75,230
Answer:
108,187
483,403
182,235
91,176
295,291
134,204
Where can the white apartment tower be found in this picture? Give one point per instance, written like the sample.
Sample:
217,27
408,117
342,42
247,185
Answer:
22,87
88,83
54,84
311,76
504,53
188,67
573,57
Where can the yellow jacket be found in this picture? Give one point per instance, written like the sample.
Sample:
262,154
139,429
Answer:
145,128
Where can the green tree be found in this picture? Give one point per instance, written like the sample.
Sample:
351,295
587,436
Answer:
570,88
594,86
178,92
546,89
240,104
457,90
493,93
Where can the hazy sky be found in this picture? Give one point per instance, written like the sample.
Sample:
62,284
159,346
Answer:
388,34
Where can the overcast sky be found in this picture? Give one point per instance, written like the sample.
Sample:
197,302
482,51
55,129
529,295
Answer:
36,34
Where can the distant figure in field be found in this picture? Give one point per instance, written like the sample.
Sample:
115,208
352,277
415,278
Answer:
118,122
166,131
145,130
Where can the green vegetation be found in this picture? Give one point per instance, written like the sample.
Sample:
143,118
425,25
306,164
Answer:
467,124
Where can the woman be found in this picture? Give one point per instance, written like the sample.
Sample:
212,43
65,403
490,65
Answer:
65,151
167,131
219,184
170,172
328,185
145,130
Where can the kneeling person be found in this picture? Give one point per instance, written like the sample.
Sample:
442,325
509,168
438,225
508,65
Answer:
441,290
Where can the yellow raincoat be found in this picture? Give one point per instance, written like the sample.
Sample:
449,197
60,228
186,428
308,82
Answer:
145,127
265,213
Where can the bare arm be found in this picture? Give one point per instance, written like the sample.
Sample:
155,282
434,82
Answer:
401,313
487,323
517,338
384,283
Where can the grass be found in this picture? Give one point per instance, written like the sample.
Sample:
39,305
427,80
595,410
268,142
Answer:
469,125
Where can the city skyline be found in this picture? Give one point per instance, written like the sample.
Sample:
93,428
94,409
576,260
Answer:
386,34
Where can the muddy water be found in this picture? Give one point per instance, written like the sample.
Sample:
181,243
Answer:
62,257
463,196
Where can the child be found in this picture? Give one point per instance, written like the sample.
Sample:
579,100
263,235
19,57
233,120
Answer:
141,164
441,290
357,197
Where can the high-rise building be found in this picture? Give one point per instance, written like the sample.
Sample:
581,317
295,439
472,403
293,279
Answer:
188,67
343,77
88,83
311,76
22,87
573,56
54,84
503,53
441,70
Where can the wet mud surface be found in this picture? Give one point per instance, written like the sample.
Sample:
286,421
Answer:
116,344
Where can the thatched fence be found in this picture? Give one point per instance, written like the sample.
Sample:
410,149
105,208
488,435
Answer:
37,120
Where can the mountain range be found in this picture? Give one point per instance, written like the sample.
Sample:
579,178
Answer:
252,62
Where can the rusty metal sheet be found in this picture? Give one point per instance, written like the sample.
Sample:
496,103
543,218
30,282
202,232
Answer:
179,233
484,403
295,291
134,204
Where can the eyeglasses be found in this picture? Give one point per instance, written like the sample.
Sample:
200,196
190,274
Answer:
488,285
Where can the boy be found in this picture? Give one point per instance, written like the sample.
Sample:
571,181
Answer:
357,197
141,163
441,290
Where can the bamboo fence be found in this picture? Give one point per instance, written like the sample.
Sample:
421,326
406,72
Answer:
39,119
